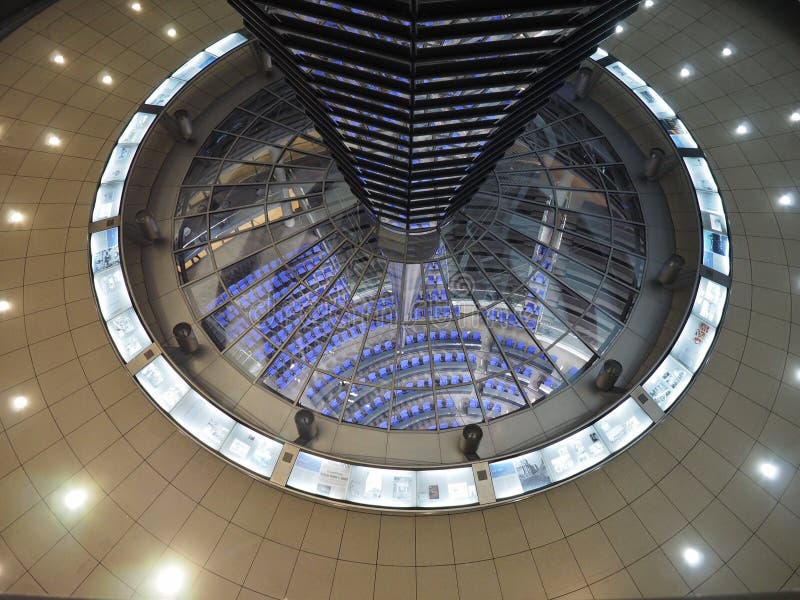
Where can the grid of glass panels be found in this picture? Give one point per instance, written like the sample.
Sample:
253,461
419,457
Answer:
529,284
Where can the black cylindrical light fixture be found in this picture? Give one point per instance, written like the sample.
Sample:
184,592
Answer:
186,338
608,375
471,437
654,164
148,226
306,428
670,269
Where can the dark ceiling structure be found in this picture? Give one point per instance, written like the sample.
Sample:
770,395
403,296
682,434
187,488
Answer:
419,99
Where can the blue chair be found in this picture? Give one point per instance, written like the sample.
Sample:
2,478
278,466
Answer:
415,361
372,377
404,364
382,372
394,420
426,359
404,415
415,411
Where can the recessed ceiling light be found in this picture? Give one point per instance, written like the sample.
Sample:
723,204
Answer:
4,305
768,470
19,403
794,117
785,200
692,557
58,59
107,79
171,32
727,51
15,217
75,498
685,72
619,29
53,140
648,3
742,128
169,580
136,6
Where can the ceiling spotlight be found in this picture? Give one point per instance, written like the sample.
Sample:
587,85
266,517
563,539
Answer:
75,498
58,59
727,51
15,217
53,140
136,6
785,200
19,403
619,29
171,32
742,128
648,3
768,470
692,557
107,79
685,72
169,580
795,117
4,305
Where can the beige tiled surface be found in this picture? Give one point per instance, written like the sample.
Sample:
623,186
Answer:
156,498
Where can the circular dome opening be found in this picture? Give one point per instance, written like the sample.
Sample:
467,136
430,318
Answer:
507,303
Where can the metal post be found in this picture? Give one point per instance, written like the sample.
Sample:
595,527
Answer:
671,269
184,124
608,375
653,166
148,226
186,338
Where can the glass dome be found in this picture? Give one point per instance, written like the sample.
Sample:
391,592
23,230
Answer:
509,302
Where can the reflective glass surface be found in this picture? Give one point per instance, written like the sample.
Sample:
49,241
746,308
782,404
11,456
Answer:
511,301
